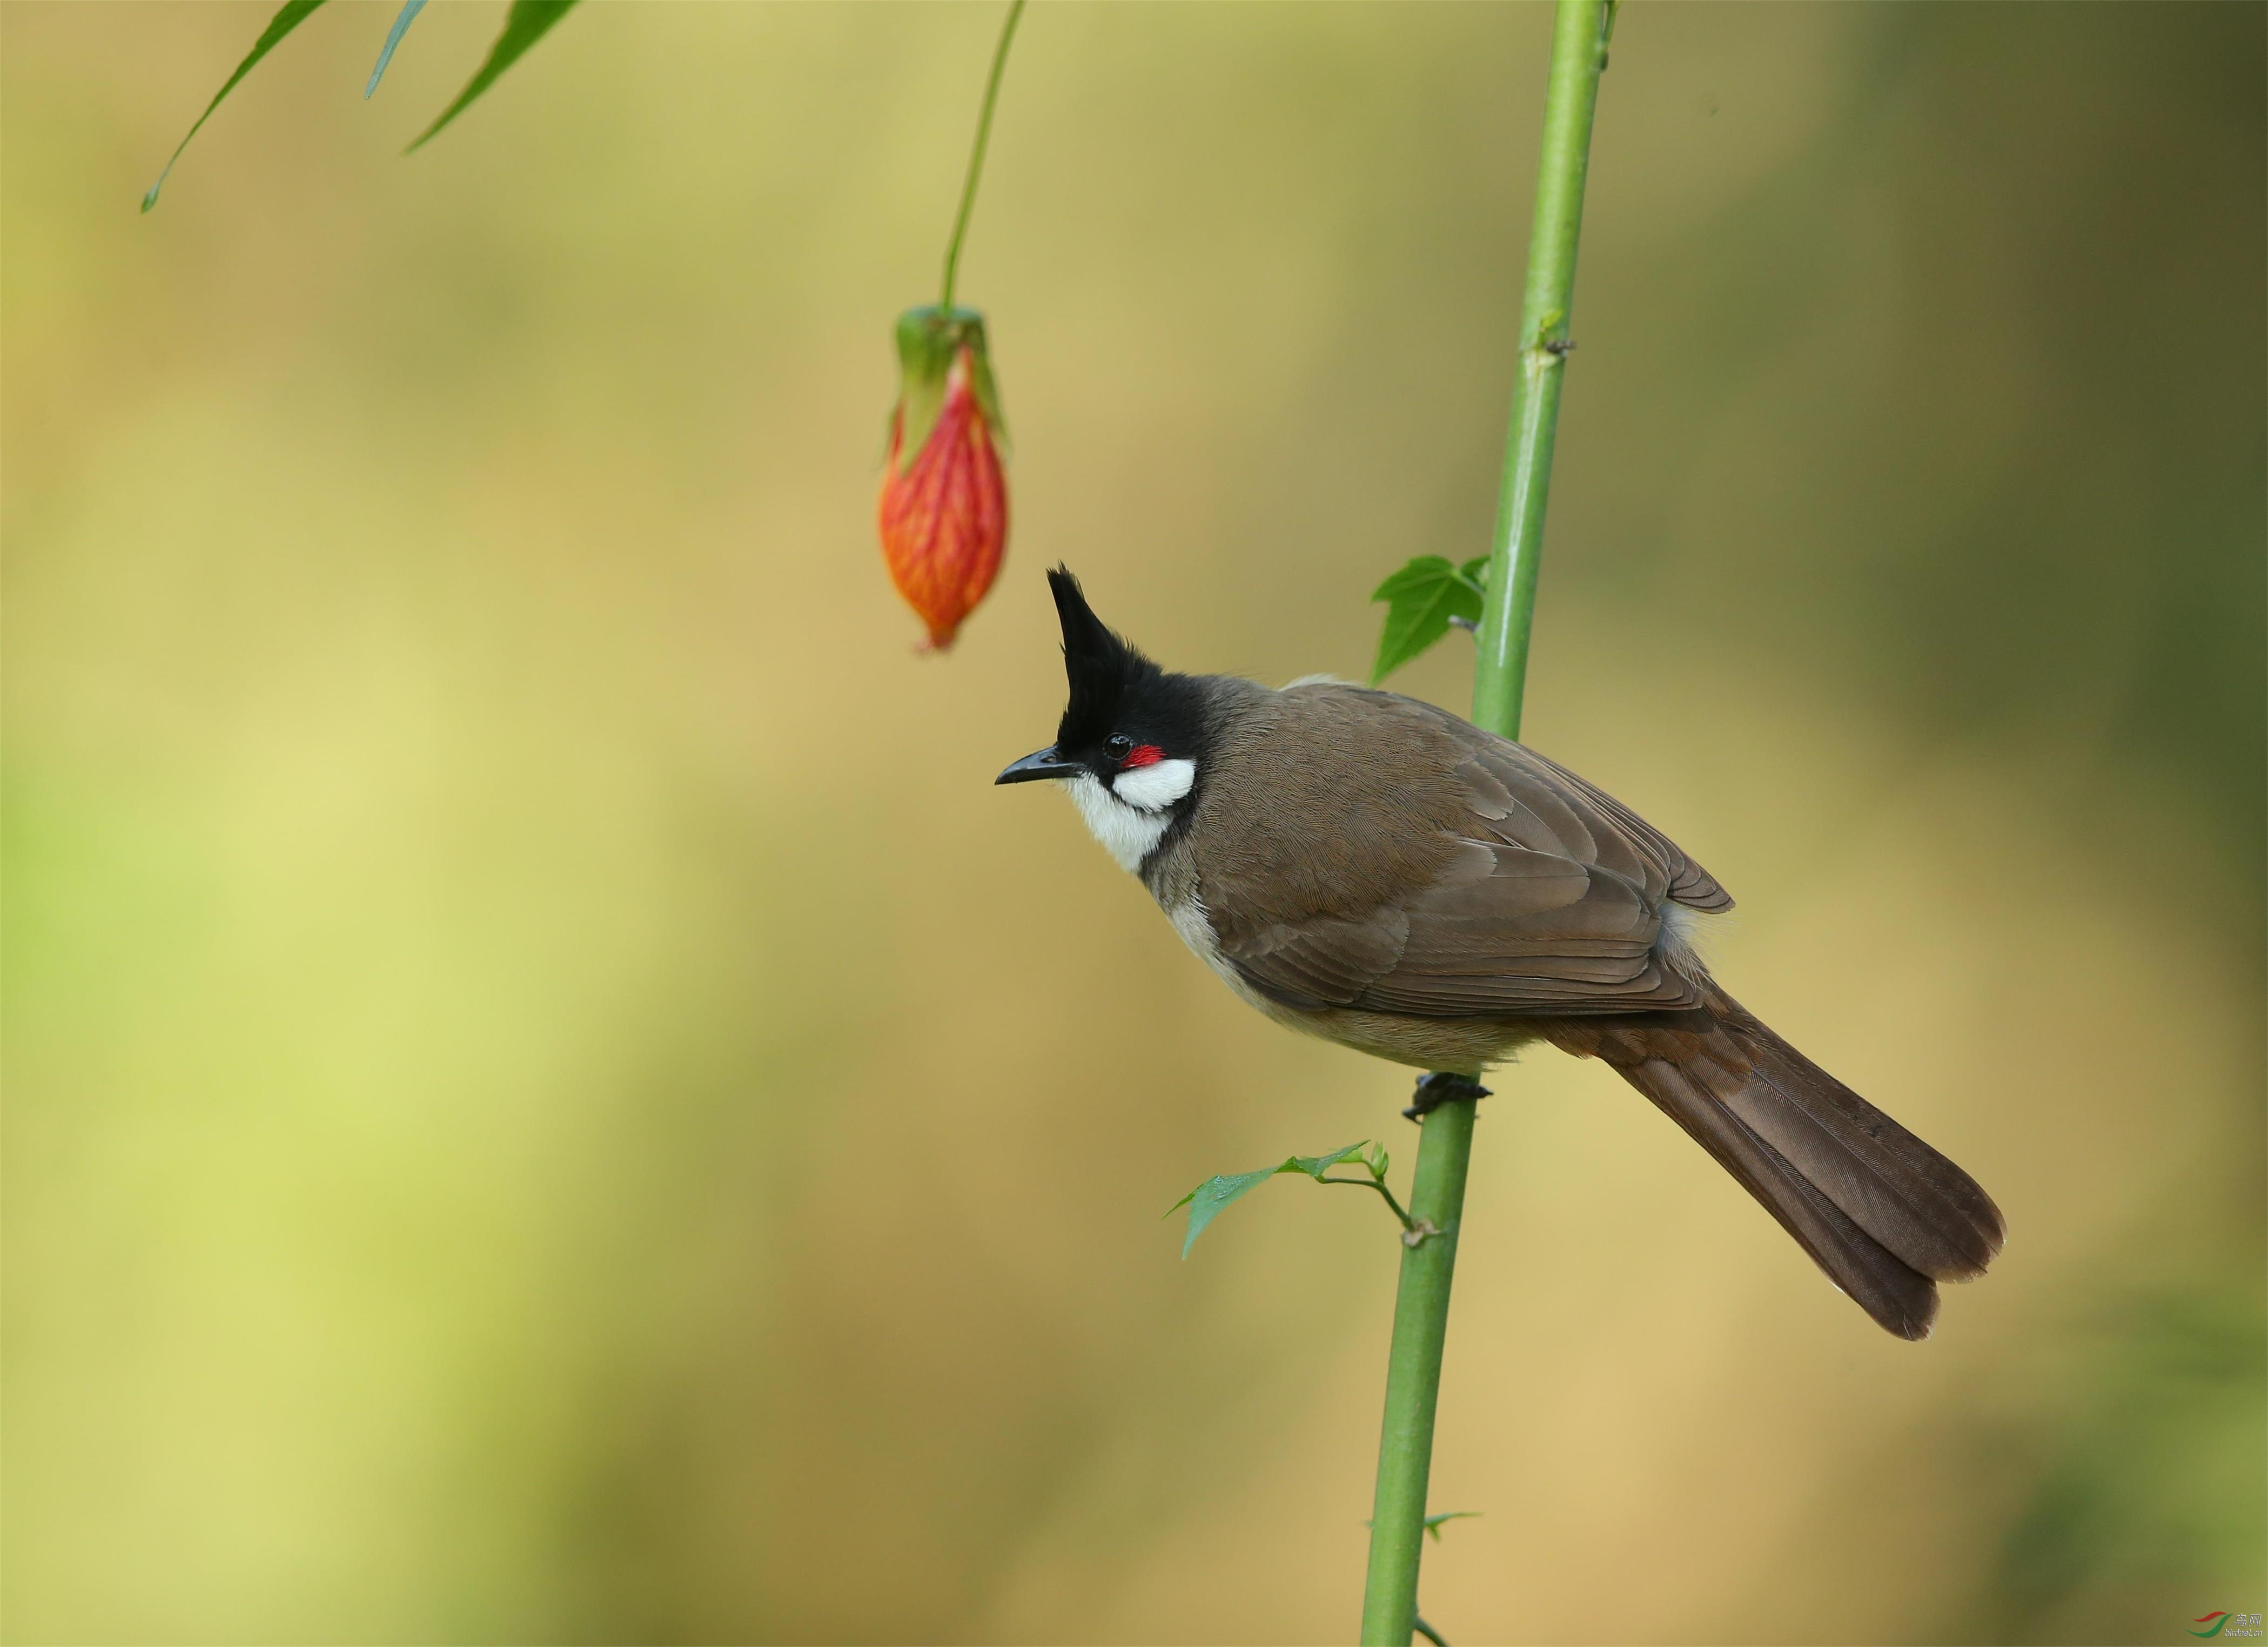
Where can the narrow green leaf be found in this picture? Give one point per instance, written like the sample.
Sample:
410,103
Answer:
1433,1523
289,17
1421,599
1316,1166
527,23
1207,1201
409,15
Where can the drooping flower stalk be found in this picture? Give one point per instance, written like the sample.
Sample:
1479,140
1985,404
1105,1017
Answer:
977,151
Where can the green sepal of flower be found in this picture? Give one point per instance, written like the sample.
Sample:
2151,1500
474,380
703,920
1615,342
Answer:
929,338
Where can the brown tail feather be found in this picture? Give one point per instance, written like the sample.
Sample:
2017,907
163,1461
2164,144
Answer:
1882,1213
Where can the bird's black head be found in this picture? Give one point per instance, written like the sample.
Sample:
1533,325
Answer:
1133,736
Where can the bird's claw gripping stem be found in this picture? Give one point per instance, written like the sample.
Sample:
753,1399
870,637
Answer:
1439,1088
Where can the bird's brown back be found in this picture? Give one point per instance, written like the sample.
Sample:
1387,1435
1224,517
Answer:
1355,848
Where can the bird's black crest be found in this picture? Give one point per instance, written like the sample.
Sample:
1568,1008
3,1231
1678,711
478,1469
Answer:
1104,670
1115,689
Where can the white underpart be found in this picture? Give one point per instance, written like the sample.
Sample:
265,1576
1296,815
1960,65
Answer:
1194,926
1131,821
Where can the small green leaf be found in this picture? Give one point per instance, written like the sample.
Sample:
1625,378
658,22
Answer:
527,23
1421,599
409,15
1207,1201
1316,1166
1433,1523
289,17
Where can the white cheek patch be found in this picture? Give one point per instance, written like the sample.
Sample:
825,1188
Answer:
1157,786
1127,834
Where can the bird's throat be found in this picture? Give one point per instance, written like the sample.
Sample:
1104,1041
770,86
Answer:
1129,834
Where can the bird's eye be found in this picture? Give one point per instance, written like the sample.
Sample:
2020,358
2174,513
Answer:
1118,746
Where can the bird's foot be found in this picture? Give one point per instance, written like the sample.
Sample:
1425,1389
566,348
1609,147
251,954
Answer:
1439,1088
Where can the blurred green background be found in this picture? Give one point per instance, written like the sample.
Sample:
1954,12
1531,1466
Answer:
549,1098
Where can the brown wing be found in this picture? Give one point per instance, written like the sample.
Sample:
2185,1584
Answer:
1412,864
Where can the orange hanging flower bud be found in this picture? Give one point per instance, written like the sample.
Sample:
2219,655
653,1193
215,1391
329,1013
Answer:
945,500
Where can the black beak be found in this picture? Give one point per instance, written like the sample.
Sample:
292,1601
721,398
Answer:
1045,763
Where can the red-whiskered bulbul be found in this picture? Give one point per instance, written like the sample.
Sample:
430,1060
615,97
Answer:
1373,870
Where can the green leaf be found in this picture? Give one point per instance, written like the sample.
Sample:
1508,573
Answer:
409,15
289,17
1316,1166
1433,1523
1421,599
527,23
1207,1201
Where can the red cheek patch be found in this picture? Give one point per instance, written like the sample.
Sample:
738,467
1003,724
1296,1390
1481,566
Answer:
1147,755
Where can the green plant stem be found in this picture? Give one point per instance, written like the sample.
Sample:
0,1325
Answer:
1437,1197
1579,53
1408,1222
1413,1378
977,154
